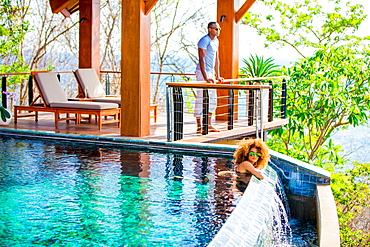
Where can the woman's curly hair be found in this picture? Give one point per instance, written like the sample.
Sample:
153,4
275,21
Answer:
242,152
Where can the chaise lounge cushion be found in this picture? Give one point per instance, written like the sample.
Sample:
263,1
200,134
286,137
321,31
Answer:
91,83
116,100
54,96
84,105
50,88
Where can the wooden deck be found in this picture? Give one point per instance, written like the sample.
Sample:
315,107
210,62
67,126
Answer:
236,133
158,130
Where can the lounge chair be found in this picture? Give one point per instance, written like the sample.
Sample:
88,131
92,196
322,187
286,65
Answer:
90,87
54,100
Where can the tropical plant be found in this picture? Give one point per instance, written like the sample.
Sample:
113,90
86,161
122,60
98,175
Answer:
260,67
328,89
4,114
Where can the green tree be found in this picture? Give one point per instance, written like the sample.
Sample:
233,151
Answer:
328,90
325,92
12,31
305,25
351,189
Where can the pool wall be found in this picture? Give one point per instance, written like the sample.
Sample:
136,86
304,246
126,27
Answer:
310,196
300,180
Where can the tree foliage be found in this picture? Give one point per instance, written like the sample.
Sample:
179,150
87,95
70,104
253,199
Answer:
48,45
325,92
307,24
12,32
352,192
328,90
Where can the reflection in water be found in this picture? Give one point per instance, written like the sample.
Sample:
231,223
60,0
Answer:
135,164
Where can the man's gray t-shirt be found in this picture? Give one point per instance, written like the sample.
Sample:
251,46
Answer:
211,47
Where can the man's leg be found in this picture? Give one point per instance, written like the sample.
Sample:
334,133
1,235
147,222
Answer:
210,127
212,109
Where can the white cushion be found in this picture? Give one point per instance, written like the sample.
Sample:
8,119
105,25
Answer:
89,80
84,105
116,100
50,88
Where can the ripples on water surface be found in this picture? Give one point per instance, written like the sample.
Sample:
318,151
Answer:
63,194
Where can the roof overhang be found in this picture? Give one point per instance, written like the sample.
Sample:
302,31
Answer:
66,7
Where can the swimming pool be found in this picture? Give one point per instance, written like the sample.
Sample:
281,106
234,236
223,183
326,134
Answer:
72,194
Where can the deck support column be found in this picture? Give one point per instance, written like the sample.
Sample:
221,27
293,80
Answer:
135,68
228,51
89,41
229,13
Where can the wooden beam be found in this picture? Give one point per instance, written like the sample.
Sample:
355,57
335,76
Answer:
65,13
243,9
149,4
58,5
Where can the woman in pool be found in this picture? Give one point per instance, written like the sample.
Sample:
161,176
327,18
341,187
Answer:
250,157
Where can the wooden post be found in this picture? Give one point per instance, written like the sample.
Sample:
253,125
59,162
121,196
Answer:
135,69
89,54
229,13
228,50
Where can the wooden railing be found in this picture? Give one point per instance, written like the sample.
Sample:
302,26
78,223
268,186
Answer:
175,104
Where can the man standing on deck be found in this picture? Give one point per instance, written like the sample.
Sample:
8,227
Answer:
208,69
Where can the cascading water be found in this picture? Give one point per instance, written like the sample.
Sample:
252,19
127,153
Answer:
260,218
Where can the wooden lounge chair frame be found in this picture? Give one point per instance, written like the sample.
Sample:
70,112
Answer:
99,93
58,111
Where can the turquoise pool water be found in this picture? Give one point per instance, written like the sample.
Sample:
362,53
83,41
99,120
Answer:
79,194
73,194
